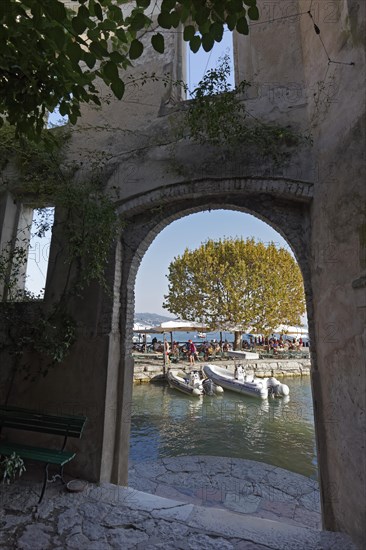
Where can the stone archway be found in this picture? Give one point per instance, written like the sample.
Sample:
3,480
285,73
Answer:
284,205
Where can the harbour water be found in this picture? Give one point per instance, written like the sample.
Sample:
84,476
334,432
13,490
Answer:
166,423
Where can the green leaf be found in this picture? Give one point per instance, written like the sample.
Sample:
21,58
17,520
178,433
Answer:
118,88
250,2
231,21
164,20
74,52
110,70
93,34
195,43
189,32
95,99
73,117
242,26
167,5
59,37
78,24
207,42
98,11
175,19
184,14
108,25
116,14
56,10
236,6
136,49
204,28
121,35
143,3
116,57
63,108
202,15
83,12
89,59
217,31
98,50
253,13
157,42
138,21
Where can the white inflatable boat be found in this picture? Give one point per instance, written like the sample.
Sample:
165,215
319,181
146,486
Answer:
248,385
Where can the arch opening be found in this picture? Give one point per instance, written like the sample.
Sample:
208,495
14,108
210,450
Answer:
162,235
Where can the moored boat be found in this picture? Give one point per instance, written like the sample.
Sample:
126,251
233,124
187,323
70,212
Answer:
243,354
192,384
247,385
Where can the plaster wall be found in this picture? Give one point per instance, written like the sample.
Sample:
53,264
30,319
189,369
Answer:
338,218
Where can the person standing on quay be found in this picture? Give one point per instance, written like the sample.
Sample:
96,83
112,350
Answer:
192,351
167,352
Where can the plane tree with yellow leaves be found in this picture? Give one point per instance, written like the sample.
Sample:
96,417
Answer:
236,284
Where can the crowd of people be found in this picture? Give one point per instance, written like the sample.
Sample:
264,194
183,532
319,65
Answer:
192,352
276,344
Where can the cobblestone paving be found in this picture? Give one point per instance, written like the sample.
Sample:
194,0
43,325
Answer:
107,516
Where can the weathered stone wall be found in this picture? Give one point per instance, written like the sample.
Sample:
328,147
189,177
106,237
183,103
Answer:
151,369
338,219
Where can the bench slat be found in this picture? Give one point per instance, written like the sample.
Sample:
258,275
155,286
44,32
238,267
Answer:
23,419
48,456
35,423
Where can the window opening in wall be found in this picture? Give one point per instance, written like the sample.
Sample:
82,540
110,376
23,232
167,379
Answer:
38,251
199,63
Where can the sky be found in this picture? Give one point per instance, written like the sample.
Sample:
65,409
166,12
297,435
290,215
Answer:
188,232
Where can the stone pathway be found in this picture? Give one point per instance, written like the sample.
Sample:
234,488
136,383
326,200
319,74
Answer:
107,516
239,485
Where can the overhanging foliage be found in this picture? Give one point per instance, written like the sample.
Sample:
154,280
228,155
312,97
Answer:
52,52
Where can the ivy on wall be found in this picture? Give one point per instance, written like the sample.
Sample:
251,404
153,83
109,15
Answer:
217,115
89,226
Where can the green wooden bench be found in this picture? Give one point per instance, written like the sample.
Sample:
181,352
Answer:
24,419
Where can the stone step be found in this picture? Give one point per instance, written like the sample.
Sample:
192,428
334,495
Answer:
238,485
232,526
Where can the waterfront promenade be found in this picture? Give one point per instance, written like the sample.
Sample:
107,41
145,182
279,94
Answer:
149,367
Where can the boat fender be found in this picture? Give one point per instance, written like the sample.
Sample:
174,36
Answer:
285,390
218,389
196,391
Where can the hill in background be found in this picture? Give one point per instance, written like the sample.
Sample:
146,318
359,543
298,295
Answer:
152,319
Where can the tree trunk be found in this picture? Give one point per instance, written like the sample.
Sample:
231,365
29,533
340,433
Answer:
237,340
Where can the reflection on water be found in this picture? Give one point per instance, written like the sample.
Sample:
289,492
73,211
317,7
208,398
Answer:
166,423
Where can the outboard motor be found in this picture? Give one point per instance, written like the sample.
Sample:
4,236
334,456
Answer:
208,386
276,388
